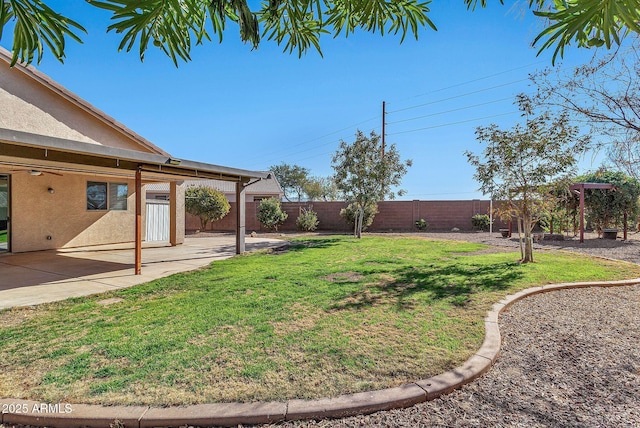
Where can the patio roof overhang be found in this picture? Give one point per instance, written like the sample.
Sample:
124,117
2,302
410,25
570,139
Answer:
50,152
37,151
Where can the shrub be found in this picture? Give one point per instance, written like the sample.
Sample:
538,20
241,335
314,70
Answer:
422,224
206,203
307,221
351,211
480,222
270,213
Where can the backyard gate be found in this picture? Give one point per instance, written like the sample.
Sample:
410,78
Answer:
157,220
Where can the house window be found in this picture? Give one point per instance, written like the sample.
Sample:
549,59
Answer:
118,193
96,195
106,196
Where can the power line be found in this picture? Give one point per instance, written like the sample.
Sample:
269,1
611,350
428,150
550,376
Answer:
324,136
474,80
350,127
453,123
449,111
457,96
312,148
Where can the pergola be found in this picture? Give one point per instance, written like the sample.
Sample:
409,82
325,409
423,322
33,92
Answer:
579,188
57,154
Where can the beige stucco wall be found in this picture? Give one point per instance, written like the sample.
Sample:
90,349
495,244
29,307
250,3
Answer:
29,106
37,214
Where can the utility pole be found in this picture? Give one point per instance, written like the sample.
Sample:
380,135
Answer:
384,113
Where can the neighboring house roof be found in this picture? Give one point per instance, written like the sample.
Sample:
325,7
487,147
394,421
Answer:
267,186
44,80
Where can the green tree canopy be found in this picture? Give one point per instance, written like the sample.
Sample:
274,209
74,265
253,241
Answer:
174,26
523,164
206,203
321,189
606,208
364,175
292,178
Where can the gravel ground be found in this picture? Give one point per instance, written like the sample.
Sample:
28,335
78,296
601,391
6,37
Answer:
618,249
568,358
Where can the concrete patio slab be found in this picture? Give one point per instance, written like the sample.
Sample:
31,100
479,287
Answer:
46,276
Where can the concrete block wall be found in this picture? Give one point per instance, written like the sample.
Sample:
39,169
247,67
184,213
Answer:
392,216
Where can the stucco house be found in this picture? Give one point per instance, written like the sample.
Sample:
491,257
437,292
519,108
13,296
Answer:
71,175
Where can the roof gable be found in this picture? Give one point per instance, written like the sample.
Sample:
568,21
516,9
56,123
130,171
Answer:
32,102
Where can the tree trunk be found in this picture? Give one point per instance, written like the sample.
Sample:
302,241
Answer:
359,222
520,238
528,239
355,227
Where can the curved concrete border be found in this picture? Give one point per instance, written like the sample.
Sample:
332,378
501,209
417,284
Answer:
232,414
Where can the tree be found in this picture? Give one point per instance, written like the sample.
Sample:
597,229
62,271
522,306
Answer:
292,179
321,188
605,94
607,208
270,213
206,203
351,214
589,23
521,165
175,26
624,154
364,175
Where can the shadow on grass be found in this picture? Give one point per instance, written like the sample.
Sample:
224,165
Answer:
303,244
456,283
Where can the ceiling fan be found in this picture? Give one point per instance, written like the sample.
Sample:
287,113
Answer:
36,172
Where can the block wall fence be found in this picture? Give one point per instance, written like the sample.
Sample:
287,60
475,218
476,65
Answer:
397,216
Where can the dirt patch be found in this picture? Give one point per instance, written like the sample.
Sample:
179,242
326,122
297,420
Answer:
16,316
343,277
282,249
107,302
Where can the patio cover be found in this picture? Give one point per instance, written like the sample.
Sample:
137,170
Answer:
57,154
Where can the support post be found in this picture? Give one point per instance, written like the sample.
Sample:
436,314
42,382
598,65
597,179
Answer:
384,114
240,217
176,213
138,243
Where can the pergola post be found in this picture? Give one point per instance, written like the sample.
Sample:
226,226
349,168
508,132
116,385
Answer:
138,244
240,217
582,213
580,187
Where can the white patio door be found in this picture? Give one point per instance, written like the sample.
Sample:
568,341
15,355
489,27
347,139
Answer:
157,215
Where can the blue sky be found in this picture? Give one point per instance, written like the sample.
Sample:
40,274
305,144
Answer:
253,109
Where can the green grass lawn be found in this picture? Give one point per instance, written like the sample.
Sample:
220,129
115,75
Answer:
328,316
3,236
